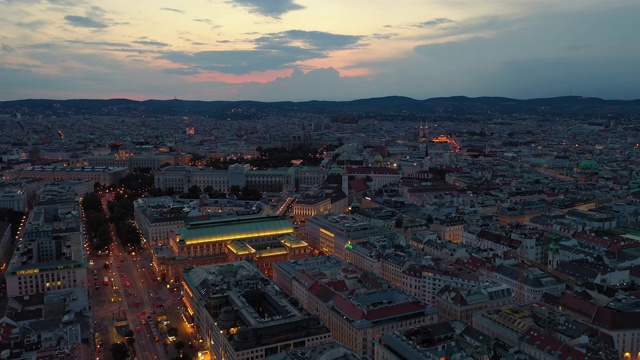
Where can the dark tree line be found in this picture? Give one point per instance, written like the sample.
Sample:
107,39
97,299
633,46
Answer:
97,223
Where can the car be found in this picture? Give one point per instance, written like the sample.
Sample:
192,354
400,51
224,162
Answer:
137,303
118,266
138,329
128,284
144,322
143,313
159,305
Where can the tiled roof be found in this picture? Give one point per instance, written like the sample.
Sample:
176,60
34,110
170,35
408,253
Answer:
372,170
359,185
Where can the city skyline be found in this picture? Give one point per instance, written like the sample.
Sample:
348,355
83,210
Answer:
303,50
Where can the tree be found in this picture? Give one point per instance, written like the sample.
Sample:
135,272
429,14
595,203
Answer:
180,345
172,331
13,217
250,194
119,351
194,192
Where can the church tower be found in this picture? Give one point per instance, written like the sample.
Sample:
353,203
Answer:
554,254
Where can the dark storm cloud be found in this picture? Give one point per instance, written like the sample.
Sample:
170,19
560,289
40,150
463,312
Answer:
150,43
270,8
7,48
273,51
434,23
172,9
85,22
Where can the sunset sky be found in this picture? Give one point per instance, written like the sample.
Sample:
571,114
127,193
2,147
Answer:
272,50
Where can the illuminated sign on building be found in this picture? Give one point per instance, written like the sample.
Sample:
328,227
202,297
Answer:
28,272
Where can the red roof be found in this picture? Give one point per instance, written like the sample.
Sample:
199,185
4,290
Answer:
338,285
5,332
347,308
359,185
541,342
393,310
592,239
322,292
579,305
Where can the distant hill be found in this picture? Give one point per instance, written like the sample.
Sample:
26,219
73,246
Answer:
389,106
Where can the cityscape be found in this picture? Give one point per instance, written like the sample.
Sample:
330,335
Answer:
256,232
305,180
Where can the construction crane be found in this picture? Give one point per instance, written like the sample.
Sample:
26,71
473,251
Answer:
522,261
521,279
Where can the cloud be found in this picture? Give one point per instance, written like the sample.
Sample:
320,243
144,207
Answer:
434,23
6,48
150,43
270,8
241,61
40,46
64,2
208,22
98,43
85,22
272,52
317,40
31,25
95,12
172,9
383,36
182,71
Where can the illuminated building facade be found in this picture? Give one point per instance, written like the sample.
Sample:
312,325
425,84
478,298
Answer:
182,177
210,238
239,314
101,174
356,305
330,233
217,241
51,255
264,254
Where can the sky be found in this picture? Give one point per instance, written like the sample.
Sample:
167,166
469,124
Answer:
297,50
